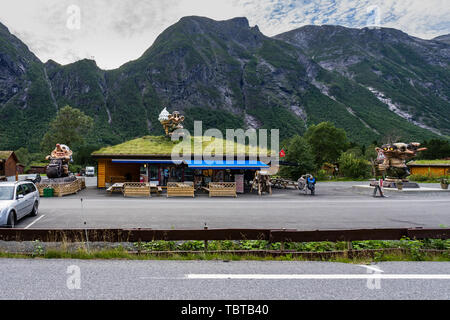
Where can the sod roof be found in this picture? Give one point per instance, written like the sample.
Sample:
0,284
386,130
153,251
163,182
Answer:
162,146
5,154
430,163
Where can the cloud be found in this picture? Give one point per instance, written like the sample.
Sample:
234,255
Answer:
425,19
115,32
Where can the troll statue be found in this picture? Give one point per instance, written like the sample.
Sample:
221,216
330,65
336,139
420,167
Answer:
59,162
171,122
392,158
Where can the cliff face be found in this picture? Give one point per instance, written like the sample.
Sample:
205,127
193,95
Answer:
410,75
230,75
26,104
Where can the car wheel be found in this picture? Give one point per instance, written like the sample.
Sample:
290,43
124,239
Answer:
35,210
11,220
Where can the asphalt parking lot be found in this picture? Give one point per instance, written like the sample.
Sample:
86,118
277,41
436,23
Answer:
336,206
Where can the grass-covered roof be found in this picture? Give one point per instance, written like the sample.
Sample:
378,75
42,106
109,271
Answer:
162,146
430,162
5,154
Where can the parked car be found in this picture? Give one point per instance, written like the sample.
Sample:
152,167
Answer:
17,200
90,171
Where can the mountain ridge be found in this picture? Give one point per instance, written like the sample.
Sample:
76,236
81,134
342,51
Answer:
227,74
443,38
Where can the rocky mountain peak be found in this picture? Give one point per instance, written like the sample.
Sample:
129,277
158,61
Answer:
444,38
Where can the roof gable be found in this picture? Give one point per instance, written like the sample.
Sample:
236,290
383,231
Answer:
5,155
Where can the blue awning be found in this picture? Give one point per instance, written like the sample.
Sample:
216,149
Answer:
234,164
143,161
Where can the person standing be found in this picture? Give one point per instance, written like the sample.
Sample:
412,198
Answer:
379,188
165,176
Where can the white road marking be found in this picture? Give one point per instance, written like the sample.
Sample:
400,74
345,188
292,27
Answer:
35,221
316,276
371,268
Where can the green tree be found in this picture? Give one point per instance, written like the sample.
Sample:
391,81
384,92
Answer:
23,155
83,156
371,153
326,141
352,166
356,151
437,149
69,127
298,151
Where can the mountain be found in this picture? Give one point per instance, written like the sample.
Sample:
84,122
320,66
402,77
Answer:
25,95
444,38
230,75
409,75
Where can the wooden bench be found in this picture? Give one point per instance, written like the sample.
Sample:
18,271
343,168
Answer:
222,189
136,189
180,189
154,187
117,179
280,183
117,187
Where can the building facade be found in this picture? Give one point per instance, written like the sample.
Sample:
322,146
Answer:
431,169
148,159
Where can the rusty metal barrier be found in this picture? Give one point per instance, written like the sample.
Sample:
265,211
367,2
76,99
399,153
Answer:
271,235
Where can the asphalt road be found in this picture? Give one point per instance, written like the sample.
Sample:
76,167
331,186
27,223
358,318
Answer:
217,280
335,206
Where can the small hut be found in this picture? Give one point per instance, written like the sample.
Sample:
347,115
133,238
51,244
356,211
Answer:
8,165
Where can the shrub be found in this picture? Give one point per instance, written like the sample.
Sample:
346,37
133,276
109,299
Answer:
75,168
298,151
322,175
418,177
352,166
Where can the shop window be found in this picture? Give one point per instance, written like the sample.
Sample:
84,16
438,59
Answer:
153,173
176,173
188,174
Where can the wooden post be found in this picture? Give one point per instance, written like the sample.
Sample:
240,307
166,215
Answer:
349,250
206,241
282,243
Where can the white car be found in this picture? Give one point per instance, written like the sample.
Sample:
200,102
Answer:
17,200
90,171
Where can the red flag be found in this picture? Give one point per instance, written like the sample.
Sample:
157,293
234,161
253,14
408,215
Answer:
282,154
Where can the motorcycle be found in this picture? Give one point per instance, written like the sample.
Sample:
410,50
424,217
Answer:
307,182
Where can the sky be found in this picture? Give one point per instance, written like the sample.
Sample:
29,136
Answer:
113,32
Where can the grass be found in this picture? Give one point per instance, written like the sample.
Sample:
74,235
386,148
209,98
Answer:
160,145
428,178
430,162
120,254
5,154
256,250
